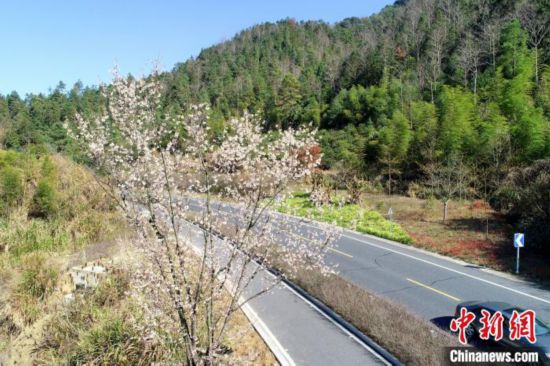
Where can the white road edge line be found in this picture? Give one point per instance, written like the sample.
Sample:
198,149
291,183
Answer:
276,342
269,338
352,336
273,343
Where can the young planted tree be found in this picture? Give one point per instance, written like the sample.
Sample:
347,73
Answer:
192,284
355,186
447,180
321,189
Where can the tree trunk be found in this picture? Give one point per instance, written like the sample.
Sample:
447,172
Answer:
493,51
475,86
445,210
536,66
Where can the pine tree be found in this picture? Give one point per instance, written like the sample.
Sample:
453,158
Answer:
288,107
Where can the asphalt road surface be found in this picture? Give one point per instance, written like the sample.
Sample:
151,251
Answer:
296,331
427,284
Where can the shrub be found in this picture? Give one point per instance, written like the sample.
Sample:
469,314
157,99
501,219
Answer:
8,158
106,343
112,289
11,187
48,168
38,150
44,202
355,186
525,198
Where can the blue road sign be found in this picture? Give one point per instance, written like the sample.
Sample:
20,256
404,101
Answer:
519,240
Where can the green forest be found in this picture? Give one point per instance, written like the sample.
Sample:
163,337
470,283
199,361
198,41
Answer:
428,97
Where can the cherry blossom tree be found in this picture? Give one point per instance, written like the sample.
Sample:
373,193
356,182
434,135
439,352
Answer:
159,169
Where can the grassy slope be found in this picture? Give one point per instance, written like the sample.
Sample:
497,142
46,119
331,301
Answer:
74,213
45,231
49,207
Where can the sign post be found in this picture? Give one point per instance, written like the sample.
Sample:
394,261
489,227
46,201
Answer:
519,242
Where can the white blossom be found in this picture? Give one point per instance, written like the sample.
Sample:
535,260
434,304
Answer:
154,163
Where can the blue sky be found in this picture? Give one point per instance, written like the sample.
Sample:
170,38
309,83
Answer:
44,42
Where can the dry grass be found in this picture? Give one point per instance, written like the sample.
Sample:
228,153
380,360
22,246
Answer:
413,340
247,347
102,326
86,213
32,249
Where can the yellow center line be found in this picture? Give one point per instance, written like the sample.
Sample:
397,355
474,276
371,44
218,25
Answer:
340,252
295,234
433,289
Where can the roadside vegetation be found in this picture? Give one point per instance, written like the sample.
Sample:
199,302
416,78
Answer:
411,339
347,215
476,230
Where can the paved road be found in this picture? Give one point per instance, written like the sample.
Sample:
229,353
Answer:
427,284
296,331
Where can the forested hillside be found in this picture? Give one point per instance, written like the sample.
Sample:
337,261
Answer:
424,93
454,72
